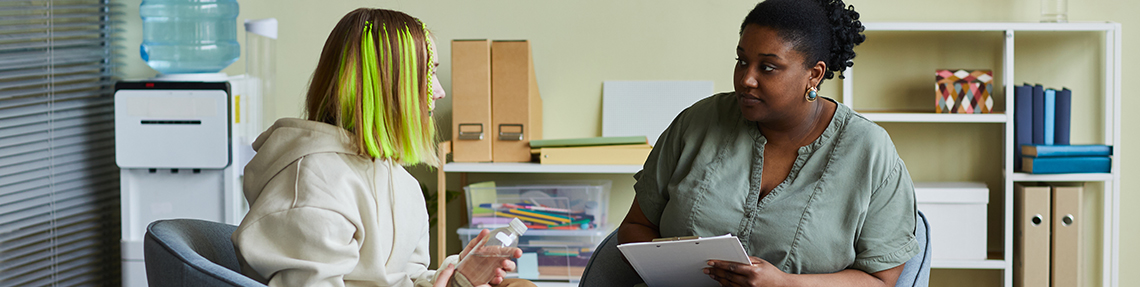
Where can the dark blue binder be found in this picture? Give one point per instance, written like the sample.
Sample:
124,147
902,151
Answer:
1064,117
1038,114
1022,120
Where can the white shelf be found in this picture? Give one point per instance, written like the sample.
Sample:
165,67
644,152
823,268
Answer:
933,117
1073,177
526,167
953,26
968,264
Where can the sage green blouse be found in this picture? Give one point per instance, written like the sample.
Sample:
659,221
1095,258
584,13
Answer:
848,201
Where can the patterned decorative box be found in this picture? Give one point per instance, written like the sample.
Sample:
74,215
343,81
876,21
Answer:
964,91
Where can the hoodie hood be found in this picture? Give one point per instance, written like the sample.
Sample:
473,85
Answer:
286,141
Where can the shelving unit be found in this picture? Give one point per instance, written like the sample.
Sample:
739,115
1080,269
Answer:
1111,122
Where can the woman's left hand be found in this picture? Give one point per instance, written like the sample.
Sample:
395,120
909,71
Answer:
760,273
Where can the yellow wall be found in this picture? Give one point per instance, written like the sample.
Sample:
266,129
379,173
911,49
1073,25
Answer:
579,44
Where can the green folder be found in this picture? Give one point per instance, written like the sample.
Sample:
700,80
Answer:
597,141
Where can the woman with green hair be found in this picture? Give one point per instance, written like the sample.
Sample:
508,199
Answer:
330,203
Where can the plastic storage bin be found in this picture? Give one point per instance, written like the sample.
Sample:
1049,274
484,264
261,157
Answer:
548,205
550,255
957,215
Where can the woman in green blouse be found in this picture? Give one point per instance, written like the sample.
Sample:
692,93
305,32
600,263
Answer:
816,193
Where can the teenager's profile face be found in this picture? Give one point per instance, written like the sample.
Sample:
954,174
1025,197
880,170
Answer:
436,87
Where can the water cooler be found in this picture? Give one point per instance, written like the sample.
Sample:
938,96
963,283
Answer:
175,147
183,138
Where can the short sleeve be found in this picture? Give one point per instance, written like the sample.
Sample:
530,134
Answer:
886,239
655,175
303,246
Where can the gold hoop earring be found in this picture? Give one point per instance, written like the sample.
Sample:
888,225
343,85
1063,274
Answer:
811,94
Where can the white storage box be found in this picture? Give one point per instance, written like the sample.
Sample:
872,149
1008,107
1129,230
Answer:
550,255
956,212
561,205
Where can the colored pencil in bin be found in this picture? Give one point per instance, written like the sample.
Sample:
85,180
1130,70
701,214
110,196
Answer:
523,206
543,215
546,218
576,222
526,218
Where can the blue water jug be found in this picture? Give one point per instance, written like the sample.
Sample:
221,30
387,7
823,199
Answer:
189,36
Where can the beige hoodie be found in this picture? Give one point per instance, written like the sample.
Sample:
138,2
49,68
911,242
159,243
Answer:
322,215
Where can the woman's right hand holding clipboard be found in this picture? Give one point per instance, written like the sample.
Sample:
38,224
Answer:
759,273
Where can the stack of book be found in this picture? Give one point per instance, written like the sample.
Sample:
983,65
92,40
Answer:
1066,158
598,150
1042,122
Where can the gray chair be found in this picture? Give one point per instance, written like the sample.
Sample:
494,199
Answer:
607,268
191,252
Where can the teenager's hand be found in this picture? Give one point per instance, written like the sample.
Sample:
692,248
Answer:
444,276
472,244
506,266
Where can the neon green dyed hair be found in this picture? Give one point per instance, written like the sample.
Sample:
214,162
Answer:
381,92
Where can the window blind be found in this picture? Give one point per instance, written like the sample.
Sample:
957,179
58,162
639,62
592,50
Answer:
59,186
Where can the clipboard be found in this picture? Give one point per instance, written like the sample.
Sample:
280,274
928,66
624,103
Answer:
680,262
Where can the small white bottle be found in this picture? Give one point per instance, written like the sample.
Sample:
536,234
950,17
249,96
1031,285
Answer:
479,266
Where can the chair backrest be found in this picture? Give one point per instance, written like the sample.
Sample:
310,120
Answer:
191,252
607,268
917,270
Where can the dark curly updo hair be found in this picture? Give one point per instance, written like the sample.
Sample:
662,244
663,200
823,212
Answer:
823,30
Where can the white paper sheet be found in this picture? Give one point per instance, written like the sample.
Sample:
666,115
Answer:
680,263
645,108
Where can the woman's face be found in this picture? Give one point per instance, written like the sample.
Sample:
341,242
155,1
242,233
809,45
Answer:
770,77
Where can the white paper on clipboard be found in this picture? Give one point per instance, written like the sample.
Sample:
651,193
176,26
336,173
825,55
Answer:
681,262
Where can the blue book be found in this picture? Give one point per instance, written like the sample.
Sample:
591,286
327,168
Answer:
1064,117
1050,114
1022,119
1094,164
1030,150
1038,114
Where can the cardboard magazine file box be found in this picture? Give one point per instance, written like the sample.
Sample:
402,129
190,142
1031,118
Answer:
956,212
516,107
471,100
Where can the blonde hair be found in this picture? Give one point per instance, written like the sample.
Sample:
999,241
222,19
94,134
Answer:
374,80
